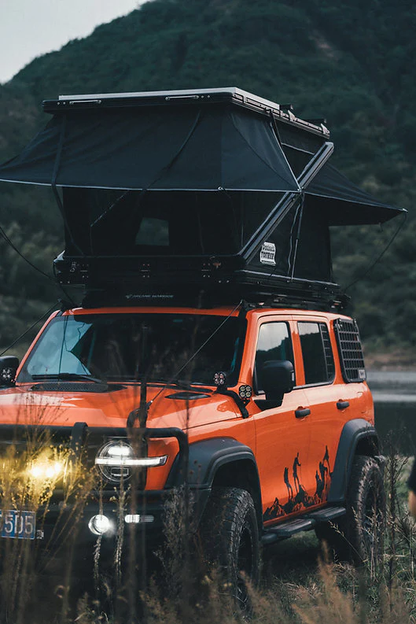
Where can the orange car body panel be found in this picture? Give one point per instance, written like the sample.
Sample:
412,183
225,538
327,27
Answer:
293,455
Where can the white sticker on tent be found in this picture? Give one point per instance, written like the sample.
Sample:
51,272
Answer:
268,254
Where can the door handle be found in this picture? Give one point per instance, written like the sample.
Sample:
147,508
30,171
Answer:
301,412
343,404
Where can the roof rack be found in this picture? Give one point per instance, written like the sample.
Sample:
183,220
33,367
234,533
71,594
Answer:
299,294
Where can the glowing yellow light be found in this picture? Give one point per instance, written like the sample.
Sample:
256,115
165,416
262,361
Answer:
49,472
43,469
36,471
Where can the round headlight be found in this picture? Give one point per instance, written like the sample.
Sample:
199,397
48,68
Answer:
113,460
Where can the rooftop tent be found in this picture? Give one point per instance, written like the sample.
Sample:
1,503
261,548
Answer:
207,186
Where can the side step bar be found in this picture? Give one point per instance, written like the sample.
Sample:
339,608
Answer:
306,523
328,514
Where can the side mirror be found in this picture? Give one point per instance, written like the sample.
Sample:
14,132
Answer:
8,368
278,378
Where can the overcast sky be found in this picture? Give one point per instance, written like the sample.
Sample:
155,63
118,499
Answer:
30,28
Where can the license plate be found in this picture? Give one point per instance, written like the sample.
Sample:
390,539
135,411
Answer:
18,524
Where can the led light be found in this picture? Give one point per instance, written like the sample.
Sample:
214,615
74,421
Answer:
131,461
49,472
44,469
138,518
99,524
220,378
120,450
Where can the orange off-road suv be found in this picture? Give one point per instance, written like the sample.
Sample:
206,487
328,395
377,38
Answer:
243,389
263,412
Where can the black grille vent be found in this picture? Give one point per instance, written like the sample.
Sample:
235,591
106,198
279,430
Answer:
350,350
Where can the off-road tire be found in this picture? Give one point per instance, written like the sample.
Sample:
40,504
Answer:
358,536
230,540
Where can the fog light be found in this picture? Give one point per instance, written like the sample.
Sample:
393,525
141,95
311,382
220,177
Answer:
138,518
99,524
45,469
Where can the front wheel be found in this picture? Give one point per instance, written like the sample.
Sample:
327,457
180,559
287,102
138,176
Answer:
230,540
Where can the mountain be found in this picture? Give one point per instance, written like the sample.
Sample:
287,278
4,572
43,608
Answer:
350,62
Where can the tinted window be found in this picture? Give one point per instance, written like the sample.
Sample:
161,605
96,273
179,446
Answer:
274,343
318,360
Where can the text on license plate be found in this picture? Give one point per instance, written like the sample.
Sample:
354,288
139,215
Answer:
18,524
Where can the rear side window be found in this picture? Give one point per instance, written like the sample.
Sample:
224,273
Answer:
318,360
350,350
274,343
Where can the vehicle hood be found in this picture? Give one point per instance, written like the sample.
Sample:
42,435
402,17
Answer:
169,407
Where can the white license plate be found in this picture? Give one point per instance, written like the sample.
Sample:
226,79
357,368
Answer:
18,524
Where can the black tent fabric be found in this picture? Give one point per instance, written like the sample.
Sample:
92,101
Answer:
343,203
184,148
113,222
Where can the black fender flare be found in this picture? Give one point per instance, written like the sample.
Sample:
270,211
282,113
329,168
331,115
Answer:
355,432
206,457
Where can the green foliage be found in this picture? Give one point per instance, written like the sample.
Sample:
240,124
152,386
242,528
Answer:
351,62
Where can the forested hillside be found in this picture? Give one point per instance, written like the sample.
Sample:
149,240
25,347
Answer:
350,62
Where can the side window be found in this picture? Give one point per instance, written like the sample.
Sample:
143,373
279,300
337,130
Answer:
274,343
318,360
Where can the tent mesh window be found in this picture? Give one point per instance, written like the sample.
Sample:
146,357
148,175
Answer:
350,350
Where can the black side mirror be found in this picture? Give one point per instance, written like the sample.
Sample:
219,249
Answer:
278,378
8,367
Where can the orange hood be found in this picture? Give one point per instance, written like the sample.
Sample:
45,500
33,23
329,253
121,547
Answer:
169,407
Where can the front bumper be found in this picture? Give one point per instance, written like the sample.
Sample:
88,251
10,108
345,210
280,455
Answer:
131,512
146,513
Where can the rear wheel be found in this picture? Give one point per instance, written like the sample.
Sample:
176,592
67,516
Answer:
230,540
358,536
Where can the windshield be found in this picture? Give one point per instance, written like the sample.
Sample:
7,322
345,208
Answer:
130,347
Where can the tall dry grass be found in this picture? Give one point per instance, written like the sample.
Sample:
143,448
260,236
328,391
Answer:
127,586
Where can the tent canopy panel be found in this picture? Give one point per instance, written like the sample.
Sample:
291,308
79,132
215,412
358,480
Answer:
183,148
343,202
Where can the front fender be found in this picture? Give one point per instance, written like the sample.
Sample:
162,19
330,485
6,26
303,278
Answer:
206,457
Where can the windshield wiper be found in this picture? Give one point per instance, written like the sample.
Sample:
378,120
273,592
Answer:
185,385
69,377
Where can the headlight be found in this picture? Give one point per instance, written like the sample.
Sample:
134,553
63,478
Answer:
116,458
